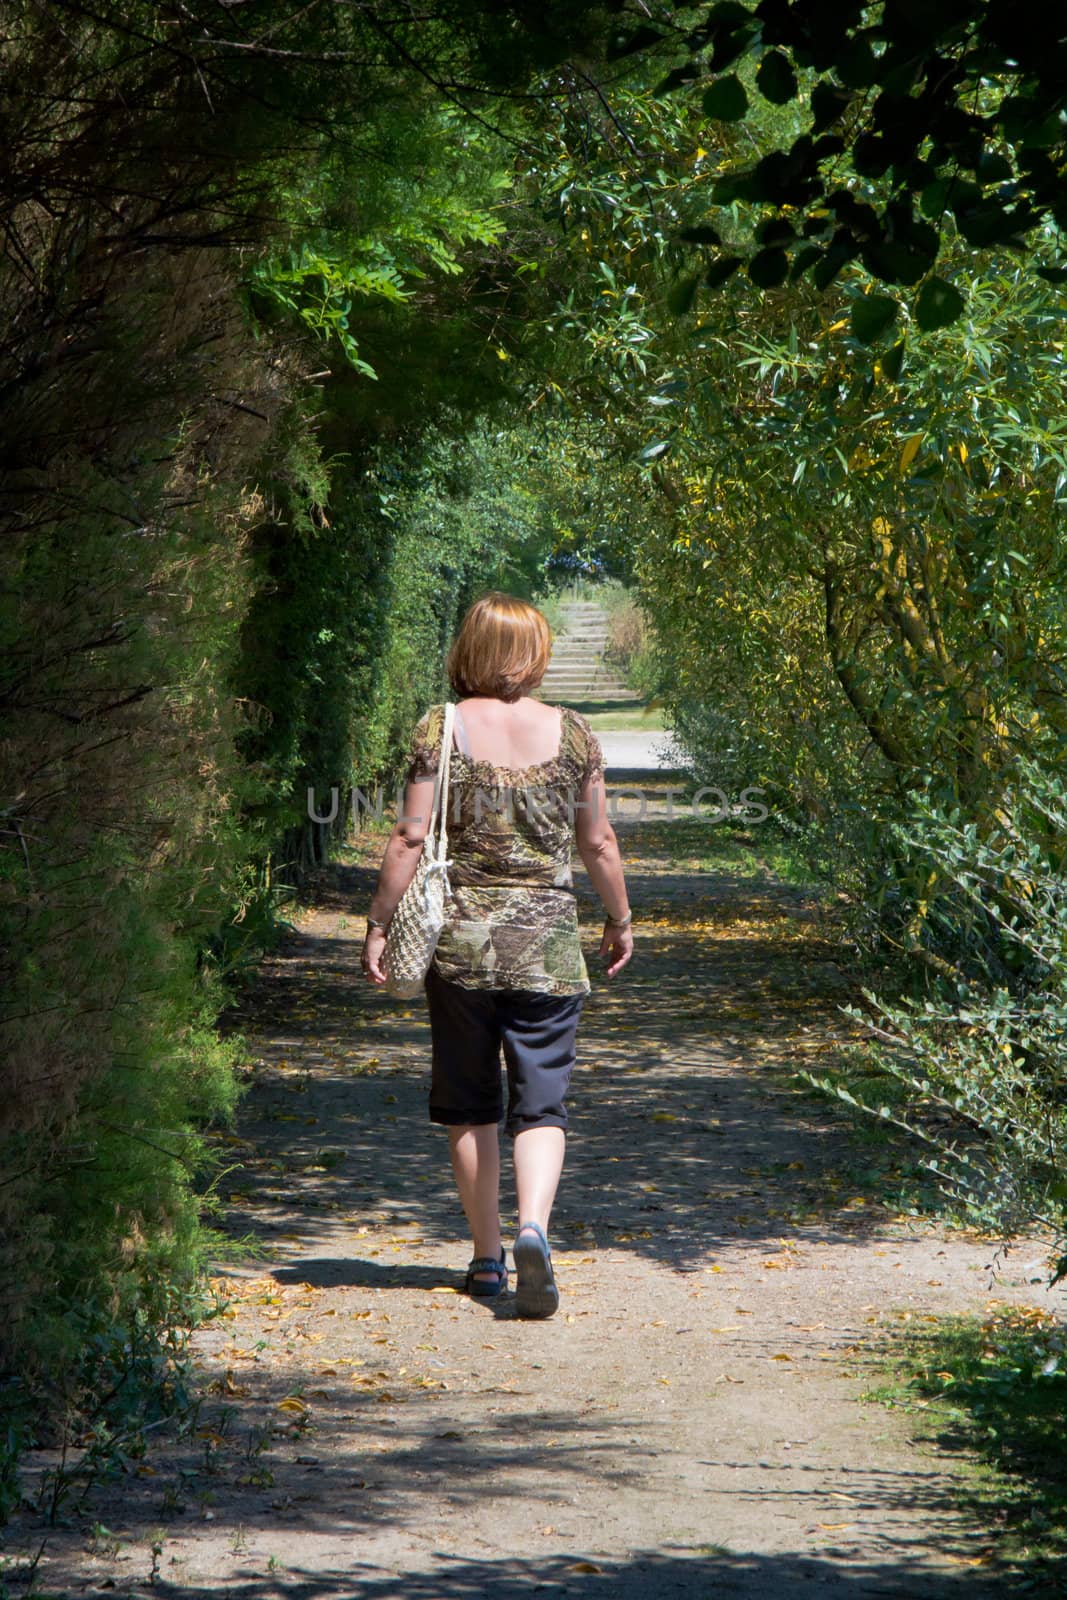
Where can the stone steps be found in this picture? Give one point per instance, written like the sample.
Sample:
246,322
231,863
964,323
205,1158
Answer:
577,670
574,697
595,669
595,665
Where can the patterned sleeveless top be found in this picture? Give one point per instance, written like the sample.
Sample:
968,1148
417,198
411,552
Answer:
514,918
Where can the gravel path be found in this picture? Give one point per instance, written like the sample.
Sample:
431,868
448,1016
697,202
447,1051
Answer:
690,1424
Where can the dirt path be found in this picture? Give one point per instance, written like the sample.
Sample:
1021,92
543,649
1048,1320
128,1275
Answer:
689,1424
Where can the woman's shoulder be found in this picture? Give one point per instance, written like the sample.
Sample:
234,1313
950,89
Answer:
424,745
431,721
579,740
576,726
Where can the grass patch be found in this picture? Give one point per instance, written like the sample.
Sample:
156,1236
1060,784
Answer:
625,717
757,850
995,1389
702,844
616,714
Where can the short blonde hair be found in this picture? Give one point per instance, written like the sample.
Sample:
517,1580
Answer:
501,649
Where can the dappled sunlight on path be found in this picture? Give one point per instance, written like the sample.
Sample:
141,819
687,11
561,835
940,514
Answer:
688,1424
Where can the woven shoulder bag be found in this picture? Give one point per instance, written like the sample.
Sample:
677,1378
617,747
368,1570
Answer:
415,926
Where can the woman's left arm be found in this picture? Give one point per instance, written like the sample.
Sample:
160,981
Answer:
397,870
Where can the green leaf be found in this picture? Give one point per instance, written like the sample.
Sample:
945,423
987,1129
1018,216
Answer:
994,168
735,186
871,315
769,268
803,260
934,198
990,223
726,14
775,230
898,260
830,264
828,103
675,78
726,100
682,294
892,362
871,156
721,268
857,65
775,79
939,303
628,44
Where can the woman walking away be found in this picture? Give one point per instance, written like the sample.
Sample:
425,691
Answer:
526,786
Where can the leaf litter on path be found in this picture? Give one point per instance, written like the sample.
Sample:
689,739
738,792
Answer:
695,1178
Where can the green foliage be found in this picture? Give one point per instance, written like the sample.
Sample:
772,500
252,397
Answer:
631,642
842,516
128,796
910,128
997,1387
121,1378
320,291
726,100
852,539
450,515
981,1052
428,179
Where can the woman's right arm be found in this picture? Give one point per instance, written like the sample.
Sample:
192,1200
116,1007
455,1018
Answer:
599,850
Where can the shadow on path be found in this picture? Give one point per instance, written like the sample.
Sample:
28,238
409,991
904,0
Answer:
686,1426
698,1574
680,1139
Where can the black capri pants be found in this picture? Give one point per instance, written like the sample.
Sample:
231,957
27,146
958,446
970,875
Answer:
468,1028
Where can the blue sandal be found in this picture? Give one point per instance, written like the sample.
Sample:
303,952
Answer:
536,1294
479,1288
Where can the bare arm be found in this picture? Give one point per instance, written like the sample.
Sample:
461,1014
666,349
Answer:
397,869
599,850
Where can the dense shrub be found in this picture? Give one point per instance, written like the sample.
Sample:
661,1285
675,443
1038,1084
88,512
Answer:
978,1050
125,571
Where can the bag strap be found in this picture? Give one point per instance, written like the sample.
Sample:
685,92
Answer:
444,762
463,744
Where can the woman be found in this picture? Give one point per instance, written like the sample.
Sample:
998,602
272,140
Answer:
526,784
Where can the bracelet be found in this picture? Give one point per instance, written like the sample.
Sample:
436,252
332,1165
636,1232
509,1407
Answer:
620,922
372,922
